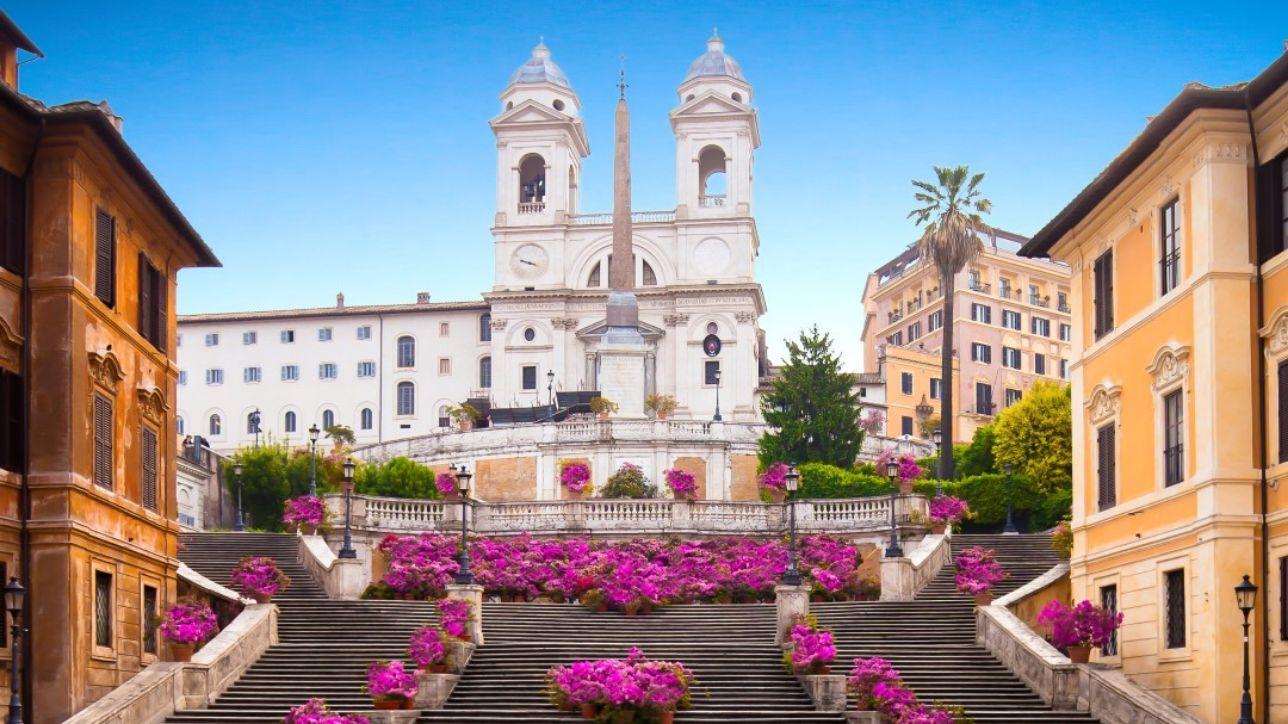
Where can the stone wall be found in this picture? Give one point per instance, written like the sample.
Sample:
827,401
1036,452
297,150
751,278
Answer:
743,486
505,479
696,466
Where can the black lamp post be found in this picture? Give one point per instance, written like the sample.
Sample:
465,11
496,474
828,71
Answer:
1246,594
313,459
892,472
1009,528
346,550
550,387
14,594
792,576
938,437
464,577
716,417
240,525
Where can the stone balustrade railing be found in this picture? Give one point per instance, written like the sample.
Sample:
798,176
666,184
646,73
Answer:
626,516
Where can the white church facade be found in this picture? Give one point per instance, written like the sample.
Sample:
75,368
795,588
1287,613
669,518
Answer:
392,372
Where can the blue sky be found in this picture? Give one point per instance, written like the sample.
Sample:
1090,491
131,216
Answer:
324,147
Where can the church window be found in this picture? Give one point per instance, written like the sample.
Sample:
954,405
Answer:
713,328
711,372
650,277
594,279
529,334
485,372
711,176
558,104
532,182
737,97
529,377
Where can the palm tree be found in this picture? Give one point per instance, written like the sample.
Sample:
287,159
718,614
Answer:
951,210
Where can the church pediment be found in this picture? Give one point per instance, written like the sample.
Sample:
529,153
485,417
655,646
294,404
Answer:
709,103
532,112
597,329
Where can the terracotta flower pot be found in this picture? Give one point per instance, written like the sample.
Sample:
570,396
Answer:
777,496
308,528
438,668
390,703
589,711
666,717
983,599
1080,654
181,651
262,597
624,717
905,487
938,528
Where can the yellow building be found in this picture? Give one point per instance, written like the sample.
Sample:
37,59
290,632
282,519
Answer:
1180,388
1011,329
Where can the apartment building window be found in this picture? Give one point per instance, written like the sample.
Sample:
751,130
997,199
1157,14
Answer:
183,377
914,331
1039,363
288,336
366,418
485,372
1066,333
936,388
980,352
148,468
1169,260
981,313
485,328
215,425
1004,288
935,320
406,351
1035,296
289,421
1062,301
1282,413
444,329
905,383
149,615
983,398
290,373
895,339
103,454
1174,593
212,339
327,371
1173,445
905,426
530,377
1010,319
105,257
251,374
178,424
711,372
364,332
324,334
1103,288
1013,396
1064,369
1106,477
104,608
973,281
367,369
249,338
214,376
1109,602
153,307
328,419
444,365
1011,358
1041,326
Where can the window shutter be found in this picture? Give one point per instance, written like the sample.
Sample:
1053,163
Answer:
13,247
1283,412
149,493
145,298
1109,291
1106,443
102,441
161,317
105,258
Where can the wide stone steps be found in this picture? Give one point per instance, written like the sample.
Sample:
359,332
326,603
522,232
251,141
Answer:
213,555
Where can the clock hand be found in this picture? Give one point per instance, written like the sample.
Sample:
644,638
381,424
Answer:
529,263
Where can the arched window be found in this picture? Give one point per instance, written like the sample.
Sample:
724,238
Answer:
444,419
288,424
594,279
406,398
406,351
178,423
252,423
328,419
365,417
711,177
485,372
532,181
216,426
649,276
485,327
572,191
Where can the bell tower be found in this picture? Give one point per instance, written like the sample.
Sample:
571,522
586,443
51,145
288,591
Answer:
540,141
716,135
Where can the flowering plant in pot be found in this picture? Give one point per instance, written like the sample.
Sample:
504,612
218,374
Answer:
1062,538
683,485
909,470
977,571
945,510
603,407
660,405
864,677
877,686
188,625
622,690
466,416
390,685
1077,629
446,485
774,482
575,477
307,513
811,650
454,616
259,578
428,649
315,711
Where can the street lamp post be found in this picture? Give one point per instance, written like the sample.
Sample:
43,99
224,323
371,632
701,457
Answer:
254,421
716,417
1246,594
14,594
792,576
240,525
313,459
346,550
1009,528
464,577
892,472
550,387
938,437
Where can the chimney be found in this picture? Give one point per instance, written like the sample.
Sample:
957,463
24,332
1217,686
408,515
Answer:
12,39
339,300
422,297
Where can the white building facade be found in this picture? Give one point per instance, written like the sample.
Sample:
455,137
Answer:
393,371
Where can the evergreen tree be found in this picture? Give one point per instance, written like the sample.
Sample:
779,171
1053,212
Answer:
812,409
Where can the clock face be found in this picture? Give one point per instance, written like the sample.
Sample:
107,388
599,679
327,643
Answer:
529,261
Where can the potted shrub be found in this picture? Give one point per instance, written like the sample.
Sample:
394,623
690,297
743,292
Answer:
1062,539
628,482
603,407
574,476
683,485
258,577
454,616
188,625
428,649
465,415
306,514
866,676
774,482
661,406
977,571
390,685
1078,628
315,711
945,510
811,650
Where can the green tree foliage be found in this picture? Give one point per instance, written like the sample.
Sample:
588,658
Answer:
1035,436
271,474
397,477
628,482
341,434
977,457
812,409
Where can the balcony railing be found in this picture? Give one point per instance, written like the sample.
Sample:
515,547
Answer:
637,217
1063,308
711,201
532,207
977,286
1043,302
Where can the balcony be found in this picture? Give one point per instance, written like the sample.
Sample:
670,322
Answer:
637,217
712,201
977,286
894,316
1063,308
532,207
1044,302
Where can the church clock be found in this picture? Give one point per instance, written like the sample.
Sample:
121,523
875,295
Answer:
529,261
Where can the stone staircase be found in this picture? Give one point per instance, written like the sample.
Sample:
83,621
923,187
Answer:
213,555
932,640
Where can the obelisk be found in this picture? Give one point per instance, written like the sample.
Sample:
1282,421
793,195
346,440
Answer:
622,350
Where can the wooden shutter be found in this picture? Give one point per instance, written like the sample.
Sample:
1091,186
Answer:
1105,439
102,441
1283,411
1109,291
149,467
161,315
105,258
13,227
145,298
